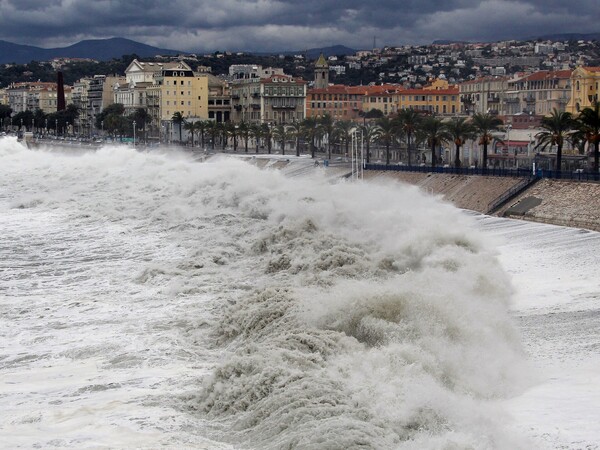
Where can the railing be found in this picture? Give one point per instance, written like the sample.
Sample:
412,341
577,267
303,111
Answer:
512,192
496,172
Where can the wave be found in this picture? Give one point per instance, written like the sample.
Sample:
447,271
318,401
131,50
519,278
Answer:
347,315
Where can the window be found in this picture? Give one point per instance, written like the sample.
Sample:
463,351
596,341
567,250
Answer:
182,102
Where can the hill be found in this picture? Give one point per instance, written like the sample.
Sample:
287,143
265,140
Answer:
313,53
98,49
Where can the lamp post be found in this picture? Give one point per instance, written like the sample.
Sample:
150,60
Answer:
134,133
55,127
21,129
46,127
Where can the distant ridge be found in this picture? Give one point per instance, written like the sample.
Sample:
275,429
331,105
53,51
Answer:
313,53
98,49
567,37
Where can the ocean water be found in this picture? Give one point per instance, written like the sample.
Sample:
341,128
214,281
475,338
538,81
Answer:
149,300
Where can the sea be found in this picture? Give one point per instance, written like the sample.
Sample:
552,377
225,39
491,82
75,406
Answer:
164,299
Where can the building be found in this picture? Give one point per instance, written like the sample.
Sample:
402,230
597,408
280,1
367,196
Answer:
321,73
485,94
437,98
219,99
338,101
273,99
584,85
539,92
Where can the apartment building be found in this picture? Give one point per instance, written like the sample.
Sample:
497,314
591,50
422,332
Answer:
274,99
439,100
484,94
539,92
338,101
584,84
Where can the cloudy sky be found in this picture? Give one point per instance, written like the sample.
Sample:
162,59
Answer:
272,25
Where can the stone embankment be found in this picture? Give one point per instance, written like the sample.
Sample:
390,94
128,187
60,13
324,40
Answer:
568,203
558,202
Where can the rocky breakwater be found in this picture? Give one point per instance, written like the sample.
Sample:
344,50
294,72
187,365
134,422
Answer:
568,203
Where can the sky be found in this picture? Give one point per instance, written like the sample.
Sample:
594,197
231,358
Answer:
276,25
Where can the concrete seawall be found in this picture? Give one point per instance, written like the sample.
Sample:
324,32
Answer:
568,203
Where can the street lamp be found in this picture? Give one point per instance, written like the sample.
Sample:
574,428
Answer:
102,125
134,133
46,128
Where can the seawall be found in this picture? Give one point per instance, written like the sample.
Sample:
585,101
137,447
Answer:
558,202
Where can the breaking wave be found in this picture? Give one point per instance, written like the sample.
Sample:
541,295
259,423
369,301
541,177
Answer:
345,315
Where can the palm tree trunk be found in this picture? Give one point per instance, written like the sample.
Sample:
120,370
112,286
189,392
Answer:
298,146
433,154
558,160
457,156
596,154
408,148
387,153
484,166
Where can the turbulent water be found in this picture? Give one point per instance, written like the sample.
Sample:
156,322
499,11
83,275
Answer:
149,300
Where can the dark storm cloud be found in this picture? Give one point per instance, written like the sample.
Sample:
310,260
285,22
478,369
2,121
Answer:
288,24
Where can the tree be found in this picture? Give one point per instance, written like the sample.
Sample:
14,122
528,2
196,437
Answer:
190,127
344,129
179,120
142,117
386,132
297,130
117,109
201,127
231,131
485,124
459,129
369,133
256,132
267,136
244,131
588,123
328,127
556,127
409,120
435,131
282,134
310,126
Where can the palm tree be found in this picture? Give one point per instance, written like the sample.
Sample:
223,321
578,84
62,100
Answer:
201,127
485,124
328,127
310,126
557,127
409,121
190,127
460,129
231,131
386,132
297,129
369,133
282,133
344,129
244,131
179,120
213,131
256,132
436,133
267,136
589,124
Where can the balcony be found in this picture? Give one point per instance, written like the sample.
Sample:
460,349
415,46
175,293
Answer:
512,100
237,107
255,106
284,106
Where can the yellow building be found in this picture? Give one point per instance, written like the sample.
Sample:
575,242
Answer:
439,97
584,88
182,91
